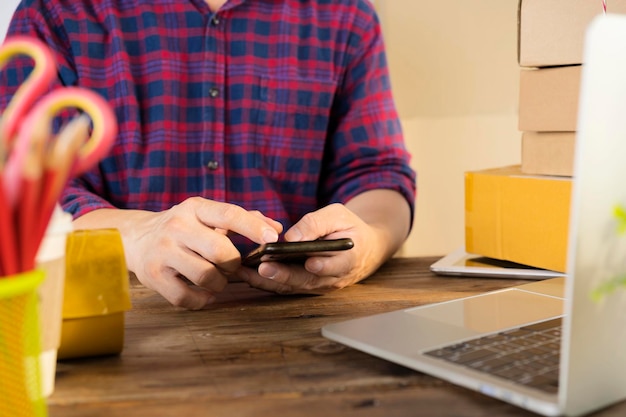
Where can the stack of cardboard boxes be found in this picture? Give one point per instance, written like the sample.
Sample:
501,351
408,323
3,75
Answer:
521,213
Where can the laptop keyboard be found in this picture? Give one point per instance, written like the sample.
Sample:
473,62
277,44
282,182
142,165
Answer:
528,355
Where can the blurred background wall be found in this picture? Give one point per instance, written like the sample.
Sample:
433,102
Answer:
454,75
7,12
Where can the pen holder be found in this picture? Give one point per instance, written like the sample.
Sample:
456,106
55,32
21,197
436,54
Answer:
96,294
20,386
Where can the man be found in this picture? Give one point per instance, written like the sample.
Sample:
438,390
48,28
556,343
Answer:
238,120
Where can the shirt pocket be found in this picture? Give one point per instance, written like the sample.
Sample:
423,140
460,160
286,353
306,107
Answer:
293,121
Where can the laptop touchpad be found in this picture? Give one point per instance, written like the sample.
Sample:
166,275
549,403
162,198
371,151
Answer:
493,311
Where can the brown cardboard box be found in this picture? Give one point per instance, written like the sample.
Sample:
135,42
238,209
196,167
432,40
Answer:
516,217
548,153
548,99
551,32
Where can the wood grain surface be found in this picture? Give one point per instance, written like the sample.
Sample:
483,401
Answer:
260,354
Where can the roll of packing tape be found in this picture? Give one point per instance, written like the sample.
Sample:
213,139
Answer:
96,294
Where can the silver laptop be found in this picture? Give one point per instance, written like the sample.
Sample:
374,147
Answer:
557,346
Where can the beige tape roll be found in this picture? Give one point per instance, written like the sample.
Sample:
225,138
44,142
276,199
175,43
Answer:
96,294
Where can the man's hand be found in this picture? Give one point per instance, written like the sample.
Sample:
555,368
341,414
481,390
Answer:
187,244
377,221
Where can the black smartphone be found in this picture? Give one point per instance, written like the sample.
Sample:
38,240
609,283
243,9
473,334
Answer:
294,252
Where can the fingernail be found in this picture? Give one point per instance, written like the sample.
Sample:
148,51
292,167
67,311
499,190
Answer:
268,271
270,235
314,266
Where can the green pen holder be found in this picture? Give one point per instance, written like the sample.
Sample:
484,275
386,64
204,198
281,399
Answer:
21,393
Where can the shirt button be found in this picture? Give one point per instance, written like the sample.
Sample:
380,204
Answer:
214,92
212,165
215,20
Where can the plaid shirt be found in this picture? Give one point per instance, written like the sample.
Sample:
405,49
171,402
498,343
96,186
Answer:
277,106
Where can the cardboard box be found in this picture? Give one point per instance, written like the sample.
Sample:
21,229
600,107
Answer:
516,217
552,32
548,153
548,99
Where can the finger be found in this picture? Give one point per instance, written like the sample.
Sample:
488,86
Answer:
200,272
234,218
296,279
185,234
335,265
325,222
215,247
275,224
170,258
178,292
252,277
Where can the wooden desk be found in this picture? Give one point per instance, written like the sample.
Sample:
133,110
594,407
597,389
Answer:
258,354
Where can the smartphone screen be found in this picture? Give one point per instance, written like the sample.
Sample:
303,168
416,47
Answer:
294,252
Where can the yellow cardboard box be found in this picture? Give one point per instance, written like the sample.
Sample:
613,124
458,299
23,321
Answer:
517,217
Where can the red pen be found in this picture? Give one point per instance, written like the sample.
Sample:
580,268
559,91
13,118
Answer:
58,165
8,241
28,207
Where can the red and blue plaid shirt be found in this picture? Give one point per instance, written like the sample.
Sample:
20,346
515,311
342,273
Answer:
277,106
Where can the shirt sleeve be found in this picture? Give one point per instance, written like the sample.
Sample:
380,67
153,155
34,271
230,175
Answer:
37,19
367,149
